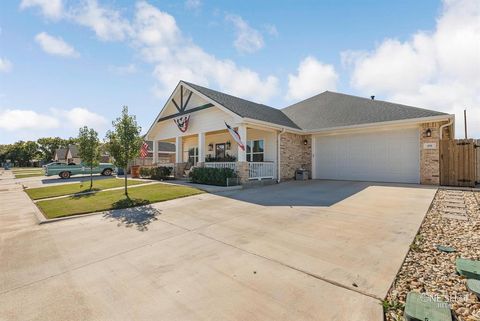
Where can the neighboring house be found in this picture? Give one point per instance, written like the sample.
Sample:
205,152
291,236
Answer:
73,155
333,135
60,155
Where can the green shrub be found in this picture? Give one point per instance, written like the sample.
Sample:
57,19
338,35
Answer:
161,172
145,172
212,176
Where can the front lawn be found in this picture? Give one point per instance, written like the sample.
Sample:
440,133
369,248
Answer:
28,172
67,189
109,200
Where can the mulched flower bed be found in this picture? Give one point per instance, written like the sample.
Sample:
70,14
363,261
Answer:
427,270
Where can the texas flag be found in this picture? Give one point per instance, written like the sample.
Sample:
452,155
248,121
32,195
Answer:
236,136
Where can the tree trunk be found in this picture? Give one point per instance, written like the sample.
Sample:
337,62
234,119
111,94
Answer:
125,173
91,178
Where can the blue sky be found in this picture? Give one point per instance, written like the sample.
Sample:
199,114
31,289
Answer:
68,63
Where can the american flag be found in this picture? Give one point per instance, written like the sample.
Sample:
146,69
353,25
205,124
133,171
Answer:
144,150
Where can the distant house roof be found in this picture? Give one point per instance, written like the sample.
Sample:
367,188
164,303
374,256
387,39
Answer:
61,153
73,149
330,109
246,108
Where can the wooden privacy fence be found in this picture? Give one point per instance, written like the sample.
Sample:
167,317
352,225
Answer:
459,162
477,152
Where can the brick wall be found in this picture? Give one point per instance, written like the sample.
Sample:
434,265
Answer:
294,154
430,158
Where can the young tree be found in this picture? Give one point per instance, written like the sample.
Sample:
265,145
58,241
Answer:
48,146
88,148
123,143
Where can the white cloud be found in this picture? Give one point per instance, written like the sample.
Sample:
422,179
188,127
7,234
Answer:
176,57
313,77
18,119
27,121
158,39
107,23
193,4
248,39
123,70
79,117
49,8
55,45
5,65
438,70
271,30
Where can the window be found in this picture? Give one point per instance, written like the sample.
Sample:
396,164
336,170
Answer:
193,155
255,150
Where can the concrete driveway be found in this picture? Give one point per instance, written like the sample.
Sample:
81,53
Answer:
282,252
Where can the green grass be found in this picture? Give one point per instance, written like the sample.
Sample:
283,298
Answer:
108,200
25,169
23,172
29,174
68,189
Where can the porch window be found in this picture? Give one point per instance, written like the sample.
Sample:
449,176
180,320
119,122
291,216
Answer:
255,150
193,155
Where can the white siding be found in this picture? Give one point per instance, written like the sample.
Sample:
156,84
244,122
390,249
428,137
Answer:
270,144
210,119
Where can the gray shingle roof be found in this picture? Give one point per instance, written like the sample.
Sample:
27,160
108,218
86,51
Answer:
73,151
61,153
330,109
246,108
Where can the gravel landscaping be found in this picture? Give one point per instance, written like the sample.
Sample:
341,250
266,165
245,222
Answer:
429,271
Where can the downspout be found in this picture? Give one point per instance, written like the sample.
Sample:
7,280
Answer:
278,154
443,126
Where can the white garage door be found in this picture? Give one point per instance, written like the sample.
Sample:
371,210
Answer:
380,156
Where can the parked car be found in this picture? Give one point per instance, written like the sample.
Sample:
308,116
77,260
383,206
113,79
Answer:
66,170
53,163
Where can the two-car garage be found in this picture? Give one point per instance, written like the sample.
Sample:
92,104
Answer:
381,155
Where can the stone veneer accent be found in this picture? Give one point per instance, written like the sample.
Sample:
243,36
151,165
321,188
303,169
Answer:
294,154
430,158
179,170
242,172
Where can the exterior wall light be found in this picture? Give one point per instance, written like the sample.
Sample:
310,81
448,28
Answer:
305,142
428,133
228,145
210,147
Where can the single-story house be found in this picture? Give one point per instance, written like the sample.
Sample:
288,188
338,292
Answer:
332,135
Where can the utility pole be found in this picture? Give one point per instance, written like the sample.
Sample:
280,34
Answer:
465,121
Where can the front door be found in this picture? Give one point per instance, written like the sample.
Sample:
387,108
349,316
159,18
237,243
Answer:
220,151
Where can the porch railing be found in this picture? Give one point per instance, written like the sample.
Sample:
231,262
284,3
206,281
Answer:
259,170
231,165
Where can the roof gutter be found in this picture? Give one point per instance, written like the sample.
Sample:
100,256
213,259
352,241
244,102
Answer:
272,125
445,125
411,121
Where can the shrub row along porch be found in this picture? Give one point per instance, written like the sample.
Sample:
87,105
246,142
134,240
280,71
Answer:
217,149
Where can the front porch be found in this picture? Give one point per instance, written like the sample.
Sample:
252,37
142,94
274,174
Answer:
217,149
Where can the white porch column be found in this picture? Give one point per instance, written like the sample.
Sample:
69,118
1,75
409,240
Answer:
201,147
178,149
155,151
242,154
